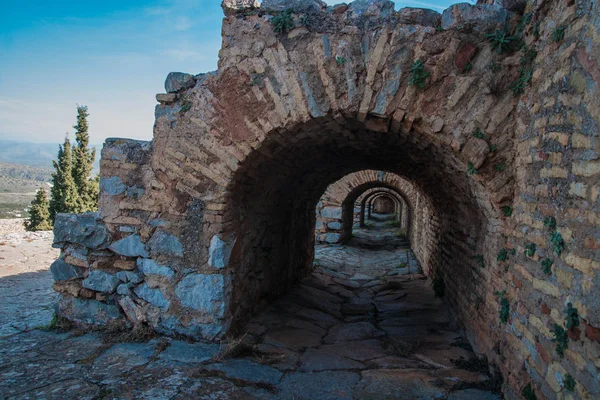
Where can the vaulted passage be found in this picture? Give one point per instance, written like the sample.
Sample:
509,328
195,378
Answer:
272,200
303,134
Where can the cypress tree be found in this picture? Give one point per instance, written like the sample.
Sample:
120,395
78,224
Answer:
39,213
83,160
63,195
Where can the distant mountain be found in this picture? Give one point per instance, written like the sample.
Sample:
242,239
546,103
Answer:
34,154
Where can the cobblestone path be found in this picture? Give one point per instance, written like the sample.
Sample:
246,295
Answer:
364,325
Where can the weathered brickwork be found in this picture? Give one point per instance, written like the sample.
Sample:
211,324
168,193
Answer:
216,216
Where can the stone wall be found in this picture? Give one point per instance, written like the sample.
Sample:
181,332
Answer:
216,215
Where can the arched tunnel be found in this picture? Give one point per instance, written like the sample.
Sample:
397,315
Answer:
365,201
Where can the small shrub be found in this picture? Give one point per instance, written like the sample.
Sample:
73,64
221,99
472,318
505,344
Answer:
493,148
402,265
340,60
530,249
471,170
283,22
500,40
558,34
418,74
304,20
550,222
572,316
569,383
523,22
499,167
547,266
468,67
507,211
561,339
438,286
439,28
522,81
502,255
185,106
479,134
557,242
480,260
528,392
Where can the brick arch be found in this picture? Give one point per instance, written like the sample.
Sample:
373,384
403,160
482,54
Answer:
402,215
216,214
385,203
390,200
335,210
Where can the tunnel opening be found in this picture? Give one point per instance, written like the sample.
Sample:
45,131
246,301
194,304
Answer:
273,196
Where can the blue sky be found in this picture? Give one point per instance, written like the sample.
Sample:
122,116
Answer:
111,55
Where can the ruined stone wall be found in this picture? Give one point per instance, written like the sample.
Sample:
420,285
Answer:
217,214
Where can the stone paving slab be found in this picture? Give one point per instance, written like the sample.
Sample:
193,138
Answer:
349,331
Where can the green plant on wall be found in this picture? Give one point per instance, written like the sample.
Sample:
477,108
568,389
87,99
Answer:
507,211
530,249
478,133
339,60
547,266
186,105
504,306
528,392
480,260
500,40
569,383
499,167
418,74
558,34
283,22
550,222
561,339
471,170
557,242
572,316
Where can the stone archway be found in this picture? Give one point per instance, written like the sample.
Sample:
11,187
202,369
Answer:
362,205
216,214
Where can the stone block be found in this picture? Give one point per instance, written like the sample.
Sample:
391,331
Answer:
331,237
331,212
166,98
126,150
204,293
101,281
219,252
84,229
130,246
483,17
372,8
419,16
133,312
156,297
112,185
61,271
162,243
151,267
90,312
231,7
296,5
177,81
128,276
334,225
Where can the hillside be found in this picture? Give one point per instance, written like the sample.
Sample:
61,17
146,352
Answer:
34,154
